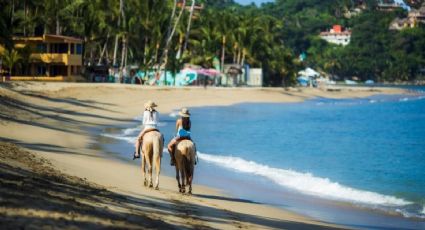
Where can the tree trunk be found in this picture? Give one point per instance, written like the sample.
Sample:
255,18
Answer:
102,52
235,52
164,58
25,18
126,52
243,57
114,61
238,57
223,53
186,38
122,58
145,53
12,15
57,20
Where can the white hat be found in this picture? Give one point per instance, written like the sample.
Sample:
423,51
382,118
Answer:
184,112
150,104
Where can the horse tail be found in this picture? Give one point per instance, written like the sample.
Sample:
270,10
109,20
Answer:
157,146
189,160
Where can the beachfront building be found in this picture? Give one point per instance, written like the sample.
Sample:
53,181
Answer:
51,57
337,35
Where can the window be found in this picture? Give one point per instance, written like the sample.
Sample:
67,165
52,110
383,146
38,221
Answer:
41,70
59,48
72,48
62,48
41,48
79,49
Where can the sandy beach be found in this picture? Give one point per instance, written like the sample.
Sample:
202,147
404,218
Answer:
54,179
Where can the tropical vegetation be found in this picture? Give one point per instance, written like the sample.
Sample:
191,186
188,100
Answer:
151,33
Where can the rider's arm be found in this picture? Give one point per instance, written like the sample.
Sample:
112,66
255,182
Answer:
145,117
178,124
156,117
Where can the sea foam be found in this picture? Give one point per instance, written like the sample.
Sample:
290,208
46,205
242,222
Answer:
306,183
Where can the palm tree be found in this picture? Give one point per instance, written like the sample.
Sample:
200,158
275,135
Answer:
10,58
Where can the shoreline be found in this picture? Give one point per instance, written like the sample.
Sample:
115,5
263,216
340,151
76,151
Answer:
56,113
345,212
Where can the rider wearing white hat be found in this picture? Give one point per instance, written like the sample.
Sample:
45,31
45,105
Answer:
150,123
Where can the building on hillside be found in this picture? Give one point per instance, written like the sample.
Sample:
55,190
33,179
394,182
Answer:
337,35
389,5
418,15
52,57
414,17
359,7
402,23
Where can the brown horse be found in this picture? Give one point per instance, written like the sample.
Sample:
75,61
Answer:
152,146
185,154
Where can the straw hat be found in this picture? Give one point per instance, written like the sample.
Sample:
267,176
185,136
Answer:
150,104
184,112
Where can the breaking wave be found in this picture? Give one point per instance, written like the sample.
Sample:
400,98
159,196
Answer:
306,183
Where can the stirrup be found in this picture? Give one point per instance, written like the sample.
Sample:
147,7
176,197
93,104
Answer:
135,157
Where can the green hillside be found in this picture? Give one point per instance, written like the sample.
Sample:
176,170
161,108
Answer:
271,36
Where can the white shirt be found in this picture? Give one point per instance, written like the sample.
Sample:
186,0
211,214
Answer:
150,122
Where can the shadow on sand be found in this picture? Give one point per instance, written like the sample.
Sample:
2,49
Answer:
36,196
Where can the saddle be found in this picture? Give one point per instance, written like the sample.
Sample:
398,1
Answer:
183,138
148,131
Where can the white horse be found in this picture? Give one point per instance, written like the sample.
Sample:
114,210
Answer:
152,146
185,154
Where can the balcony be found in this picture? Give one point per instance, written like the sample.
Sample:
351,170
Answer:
66,59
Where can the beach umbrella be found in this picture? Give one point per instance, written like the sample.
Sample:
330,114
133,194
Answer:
208,72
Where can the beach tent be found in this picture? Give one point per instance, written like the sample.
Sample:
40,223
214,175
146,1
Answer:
307,76
186,77
309,72
303,81
208,72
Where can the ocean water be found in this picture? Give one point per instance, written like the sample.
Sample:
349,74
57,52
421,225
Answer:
358,162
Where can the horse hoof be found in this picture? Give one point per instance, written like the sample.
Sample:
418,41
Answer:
145,183
156,188
151,186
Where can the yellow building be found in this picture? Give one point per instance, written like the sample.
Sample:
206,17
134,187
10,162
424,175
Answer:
53,57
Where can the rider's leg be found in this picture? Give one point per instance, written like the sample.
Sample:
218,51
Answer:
138,144
171,148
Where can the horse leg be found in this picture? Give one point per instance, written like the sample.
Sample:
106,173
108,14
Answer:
145,182
158,171
183,179
178,178
190,178
149,163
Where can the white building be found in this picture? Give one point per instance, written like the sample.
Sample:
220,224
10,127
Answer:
337,35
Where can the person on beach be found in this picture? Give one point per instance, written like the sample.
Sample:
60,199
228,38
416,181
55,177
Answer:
150,123
183,125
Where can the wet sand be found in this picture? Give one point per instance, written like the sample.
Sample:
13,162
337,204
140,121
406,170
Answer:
79,186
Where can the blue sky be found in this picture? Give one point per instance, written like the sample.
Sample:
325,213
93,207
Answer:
258,2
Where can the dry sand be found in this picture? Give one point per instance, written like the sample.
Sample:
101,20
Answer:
66,184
